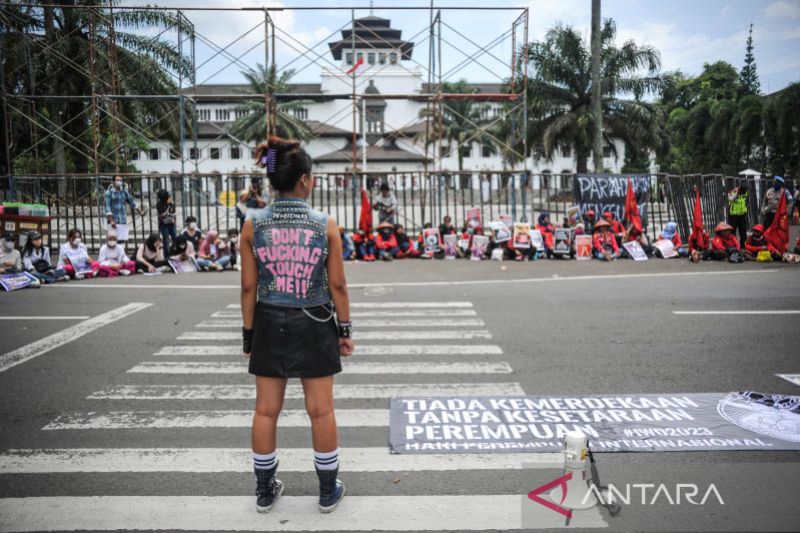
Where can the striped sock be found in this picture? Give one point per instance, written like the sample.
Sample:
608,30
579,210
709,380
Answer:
327,460
264,461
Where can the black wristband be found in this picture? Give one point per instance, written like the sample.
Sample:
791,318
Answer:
345,329
247,340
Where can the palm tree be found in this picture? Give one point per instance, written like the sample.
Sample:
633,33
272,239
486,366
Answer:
252,125
461,122
560,90
46,52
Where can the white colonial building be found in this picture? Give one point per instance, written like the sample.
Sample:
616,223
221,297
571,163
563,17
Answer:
391,127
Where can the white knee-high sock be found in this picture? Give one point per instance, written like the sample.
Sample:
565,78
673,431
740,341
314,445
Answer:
265,461
327,460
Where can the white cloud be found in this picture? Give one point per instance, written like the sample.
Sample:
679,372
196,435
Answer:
783,10
726,10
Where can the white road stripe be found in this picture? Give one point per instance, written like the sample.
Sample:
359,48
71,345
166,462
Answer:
297,418
104,460
459,367
372,323
376,314
44,317
51,342
361,349
292,513
248,392
741,312
390,305
357,335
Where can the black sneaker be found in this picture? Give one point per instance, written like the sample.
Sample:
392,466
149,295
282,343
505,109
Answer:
331,490
268,489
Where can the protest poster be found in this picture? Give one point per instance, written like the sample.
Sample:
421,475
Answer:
430,237
536,239
506,219
121,230
450,244
463,245
480,243
562,241
635,250
13,282
607,193
583,247
613,423
522,235
184,267
474,217
501,232
666,247
574,215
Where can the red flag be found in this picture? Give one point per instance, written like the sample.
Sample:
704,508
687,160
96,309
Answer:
631,209
698,235
365,220
358,64
777,234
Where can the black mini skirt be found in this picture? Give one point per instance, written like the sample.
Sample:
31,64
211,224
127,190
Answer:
288,343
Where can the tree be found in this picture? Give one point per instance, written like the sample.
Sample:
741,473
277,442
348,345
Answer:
252,125
461,122
560,94
749,75
781,131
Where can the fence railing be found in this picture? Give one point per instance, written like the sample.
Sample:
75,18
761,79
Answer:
76,201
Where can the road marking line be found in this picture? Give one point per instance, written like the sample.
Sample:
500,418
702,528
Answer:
379,459
430,512
459,367
207,419
45,317
51,342
360,391
357,335
741,312
370,323
794,379
361,349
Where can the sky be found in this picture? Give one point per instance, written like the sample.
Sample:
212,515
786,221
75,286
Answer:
687,33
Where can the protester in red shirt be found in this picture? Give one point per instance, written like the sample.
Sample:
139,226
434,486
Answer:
725,245
756,242
546,229
617,229
365,245
404,242
604,242
386,242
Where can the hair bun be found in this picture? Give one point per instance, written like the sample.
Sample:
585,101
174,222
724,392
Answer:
280,145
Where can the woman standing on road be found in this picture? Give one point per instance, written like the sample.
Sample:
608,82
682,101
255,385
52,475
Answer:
292,285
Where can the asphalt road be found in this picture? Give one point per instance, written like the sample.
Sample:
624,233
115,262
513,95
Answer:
565,328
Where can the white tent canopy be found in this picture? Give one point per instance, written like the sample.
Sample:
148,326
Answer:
750,172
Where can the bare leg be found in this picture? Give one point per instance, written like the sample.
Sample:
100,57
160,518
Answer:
319,405
269,401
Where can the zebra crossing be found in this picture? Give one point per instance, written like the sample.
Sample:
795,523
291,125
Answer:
199,382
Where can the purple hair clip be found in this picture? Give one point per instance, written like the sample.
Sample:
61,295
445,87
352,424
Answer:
270,160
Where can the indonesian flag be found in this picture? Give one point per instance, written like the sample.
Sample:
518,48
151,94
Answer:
777,234
365,220
358,64
697,218
631,209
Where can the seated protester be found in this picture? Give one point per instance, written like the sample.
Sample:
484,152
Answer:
632,234
386,243
213,253
670,233
756,242
438,251
348,248
616,229
465,241
193,232
233,246
112,258
589,222
604,243
404,242
36,260
182,248
446,228
150,256
74,253
698,245
365,245
546,229
724,245
521,254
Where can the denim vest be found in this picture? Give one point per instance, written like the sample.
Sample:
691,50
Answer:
290,243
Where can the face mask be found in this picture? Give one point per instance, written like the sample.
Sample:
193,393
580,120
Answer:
112,244
76,242
193,226
118,184
777,186
234,240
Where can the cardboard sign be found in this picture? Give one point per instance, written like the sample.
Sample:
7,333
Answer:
536,239
574,215
450,244
463,245
474,217
666,247
583,247
13,282
506,219
563,241
522,236
430,236
480,243
501,232
183,267
635,250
